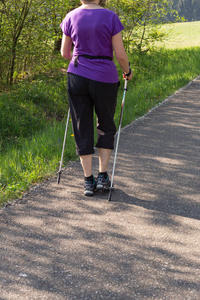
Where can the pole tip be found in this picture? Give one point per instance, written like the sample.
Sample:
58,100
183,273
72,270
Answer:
59,174
110,193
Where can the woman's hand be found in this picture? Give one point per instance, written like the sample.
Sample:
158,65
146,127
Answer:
128,77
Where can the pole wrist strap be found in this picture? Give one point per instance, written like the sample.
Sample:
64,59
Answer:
129,73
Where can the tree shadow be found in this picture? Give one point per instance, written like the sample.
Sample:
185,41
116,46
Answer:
179,208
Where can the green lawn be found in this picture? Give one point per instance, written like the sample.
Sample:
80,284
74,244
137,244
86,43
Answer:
182,35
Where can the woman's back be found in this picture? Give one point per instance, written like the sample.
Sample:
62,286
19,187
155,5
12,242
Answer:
91,31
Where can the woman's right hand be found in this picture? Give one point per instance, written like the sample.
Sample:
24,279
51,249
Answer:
128,77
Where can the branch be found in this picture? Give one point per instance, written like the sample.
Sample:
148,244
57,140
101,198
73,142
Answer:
20,23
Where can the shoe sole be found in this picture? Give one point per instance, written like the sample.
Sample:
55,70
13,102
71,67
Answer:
88,193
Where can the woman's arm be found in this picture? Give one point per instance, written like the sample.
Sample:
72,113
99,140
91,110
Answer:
120,54
66,47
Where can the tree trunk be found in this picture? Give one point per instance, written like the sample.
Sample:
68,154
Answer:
16,35
12,63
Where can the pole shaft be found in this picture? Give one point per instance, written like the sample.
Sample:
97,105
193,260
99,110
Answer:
63,148
118,136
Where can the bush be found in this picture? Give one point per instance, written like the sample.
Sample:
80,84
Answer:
31,107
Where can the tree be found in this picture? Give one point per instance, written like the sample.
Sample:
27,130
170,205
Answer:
15,15
189,9
29,31
141,19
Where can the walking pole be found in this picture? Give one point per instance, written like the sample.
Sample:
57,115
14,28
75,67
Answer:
63,149
118,135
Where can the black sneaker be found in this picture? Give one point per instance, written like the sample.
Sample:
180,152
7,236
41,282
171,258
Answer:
89,187
103,183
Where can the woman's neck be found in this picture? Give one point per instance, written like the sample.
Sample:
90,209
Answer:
90,5
87,3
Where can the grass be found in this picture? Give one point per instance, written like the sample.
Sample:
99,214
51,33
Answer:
30,106
182,35
157,76
33,113
34,160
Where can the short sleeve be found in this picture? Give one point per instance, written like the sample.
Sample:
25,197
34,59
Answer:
66,26
117,25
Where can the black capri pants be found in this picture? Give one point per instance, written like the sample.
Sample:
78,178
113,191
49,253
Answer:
85,95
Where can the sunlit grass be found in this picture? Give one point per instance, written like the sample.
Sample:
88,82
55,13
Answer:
158,76
182,35
35,159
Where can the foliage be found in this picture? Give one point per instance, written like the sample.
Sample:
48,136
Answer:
142,19
31,107
30,31
189,9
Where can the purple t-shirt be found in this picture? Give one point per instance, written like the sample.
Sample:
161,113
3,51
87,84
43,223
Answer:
91,31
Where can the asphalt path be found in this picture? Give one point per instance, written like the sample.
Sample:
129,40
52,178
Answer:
57,244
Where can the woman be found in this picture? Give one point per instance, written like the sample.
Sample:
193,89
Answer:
93,82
